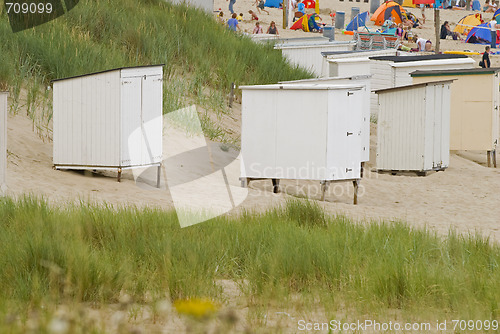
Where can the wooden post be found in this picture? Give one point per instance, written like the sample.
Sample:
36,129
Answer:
494,158
356,186
324,188
284,14
244,182
488,158
119,178
437,28
158,176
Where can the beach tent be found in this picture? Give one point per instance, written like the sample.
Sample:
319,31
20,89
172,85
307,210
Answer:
467,23
307,23
386,11
273,3
301,23
496,16
408,3
358,21
480,34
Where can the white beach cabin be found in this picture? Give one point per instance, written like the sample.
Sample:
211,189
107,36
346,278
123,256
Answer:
363,80
307,54
388,71
413,130
3,141
475,103
302,132
109,120
350,63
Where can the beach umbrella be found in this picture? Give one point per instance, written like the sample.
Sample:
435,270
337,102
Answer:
481,33
358,21
467,23
387,10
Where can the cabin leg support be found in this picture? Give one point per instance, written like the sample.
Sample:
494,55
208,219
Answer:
158,176
362,168
356,186
488,158
276,185
324,188
494,157
244,182
119,177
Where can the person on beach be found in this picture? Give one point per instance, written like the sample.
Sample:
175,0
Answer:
254,16
446,31
301,7
428,46
260,6
233,23
220,17
273,30
257,29
401,32
485,62
231,4
490,6
240,17
421,42
493,30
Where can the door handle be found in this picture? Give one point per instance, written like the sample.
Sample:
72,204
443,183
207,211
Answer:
349,134
348,170
349,93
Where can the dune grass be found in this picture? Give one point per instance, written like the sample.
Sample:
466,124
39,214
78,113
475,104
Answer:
95,254
202,58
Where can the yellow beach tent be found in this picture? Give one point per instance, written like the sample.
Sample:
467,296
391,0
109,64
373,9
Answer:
467,23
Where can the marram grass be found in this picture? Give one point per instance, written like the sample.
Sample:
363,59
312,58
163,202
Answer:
85,253
105,34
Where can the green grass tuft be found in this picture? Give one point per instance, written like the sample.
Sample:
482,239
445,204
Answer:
88,253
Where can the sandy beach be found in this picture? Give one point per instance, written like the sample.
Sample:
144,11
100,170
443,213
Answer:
326,6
